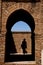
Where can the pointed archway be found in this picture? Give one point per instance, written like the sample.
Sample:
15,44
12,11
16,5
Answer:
19,15
20,26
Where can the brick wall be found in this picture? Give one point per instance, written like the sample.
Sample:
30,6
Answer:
36,10
19,37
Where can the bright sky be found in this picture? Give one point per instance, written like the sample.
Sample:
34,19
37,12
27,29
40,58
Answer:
21,26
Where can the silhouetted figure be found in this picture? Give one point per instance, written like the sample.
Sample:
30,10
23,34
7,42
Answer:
24,46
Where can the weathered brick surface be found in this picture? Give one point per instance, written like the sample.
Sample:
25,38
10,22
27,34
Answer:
0,16
37,12
19,37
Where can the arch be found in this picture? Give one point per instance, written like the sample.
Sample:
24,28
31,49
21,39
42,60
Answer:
19,15
20,26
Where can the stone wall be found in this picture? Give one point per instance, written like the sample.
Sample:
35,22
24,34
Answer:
36,10
18,39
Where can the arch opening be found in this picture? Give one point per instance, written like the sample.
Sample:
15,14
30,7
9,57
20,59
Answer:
19,15
20,26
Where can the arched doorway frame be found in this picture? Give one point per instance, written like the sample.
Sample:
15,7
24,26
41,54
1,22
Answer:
18,15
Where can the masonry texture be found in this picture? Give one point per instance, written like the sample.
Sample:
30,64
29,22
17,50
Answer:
19,37
36,10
